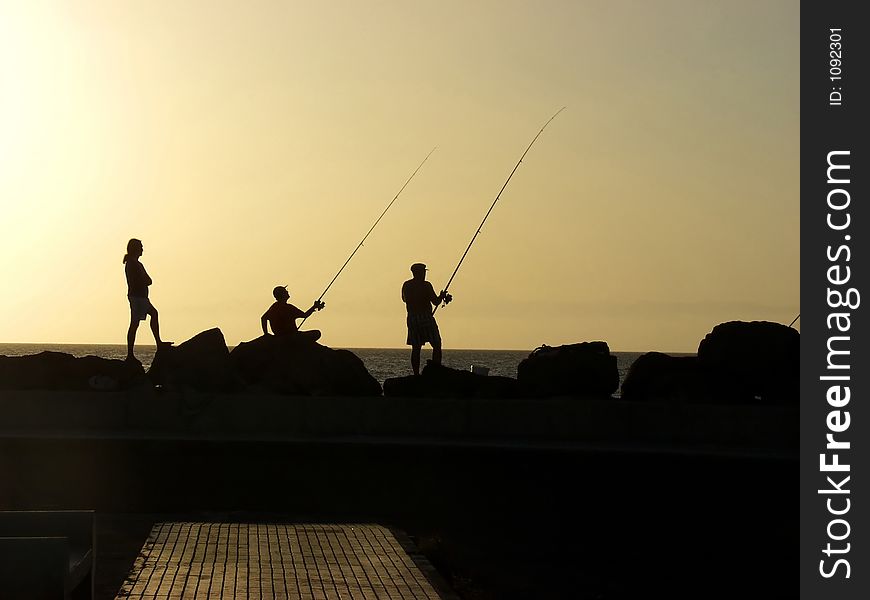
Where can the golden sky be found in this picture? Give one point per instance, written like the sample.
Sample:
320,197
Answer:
250,144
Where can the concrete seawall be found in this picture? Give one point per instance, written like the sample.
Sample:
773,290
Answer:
147,415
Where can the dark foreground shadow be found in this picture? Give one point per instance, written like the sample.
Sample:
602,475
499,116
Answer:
498,522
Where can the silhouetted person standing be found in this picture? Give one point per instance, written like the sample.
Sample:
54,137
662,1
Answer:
419,297
137,293
282,316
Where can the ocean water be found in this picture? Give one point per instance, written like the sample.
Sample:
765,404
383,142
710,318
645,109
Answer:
382,363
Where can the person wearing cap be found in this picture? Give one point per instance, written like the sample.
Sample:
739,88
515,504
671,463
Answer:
282,316
419,297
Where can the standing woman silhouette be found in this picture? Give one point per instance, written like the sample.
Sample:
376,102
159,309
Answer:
137,292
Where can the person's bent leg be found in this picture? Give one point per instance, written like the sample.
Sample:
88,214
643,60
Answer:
312,335
436,353
155,325
415,359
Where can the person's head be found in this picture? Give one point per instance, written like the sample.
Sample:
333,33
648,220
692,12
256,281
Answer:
134,249
419,270
281,294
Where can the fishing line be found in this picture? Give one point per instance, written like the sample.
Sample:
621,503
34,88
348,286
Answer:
372,228
486,216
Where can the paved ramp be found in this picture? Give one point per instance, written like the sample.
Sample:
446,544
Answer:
240,561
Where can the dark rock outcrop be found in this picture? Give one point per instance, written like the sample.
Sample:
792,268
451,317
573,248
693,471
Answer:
737,363
202,363
657,376
61,371
295,365
583,369
752,362
438,381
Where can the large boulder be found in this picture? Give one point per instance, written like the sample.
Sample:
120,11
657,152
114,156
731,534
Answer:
752,362
299,366
438,381
662,377
583,369
202,364
61,371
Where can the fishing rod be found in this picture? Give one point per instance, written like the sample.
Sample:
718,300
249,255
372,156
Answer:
486,216
795,320
372,228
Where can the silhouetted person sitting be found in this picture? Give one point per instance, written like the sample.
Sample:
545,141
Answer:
282,316
137,293
419,298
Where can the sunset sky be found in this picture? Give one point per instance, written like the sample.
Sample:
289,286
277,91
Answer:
250,144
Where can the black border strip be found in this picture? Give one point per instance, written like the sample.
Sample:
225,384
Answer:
827,126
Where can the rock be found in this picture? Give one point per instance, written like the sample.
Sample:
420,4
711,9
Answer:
583,369
295,365
438,381
202,363
61,371
657,376
410,386
752,362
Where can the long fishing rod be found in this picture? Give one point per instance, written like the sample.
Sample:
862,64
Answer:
795,320
486,216
372,228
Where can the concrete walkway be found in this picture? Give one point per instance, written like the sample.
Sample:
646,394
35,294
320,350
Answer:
263,561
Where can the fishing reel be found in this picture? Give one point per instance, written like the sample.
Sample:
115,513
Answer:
445,297
318,305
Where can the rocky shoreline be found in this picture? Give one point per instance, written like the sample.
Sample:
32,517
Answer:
739,394
478,469
747,363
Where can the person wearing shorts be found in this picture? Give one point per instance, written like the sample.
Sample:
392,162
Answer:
419,297
137,293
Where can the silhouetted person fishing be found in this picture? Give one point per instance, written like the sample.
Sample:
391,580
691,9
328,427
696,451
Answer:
282,316
137,293
419,297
